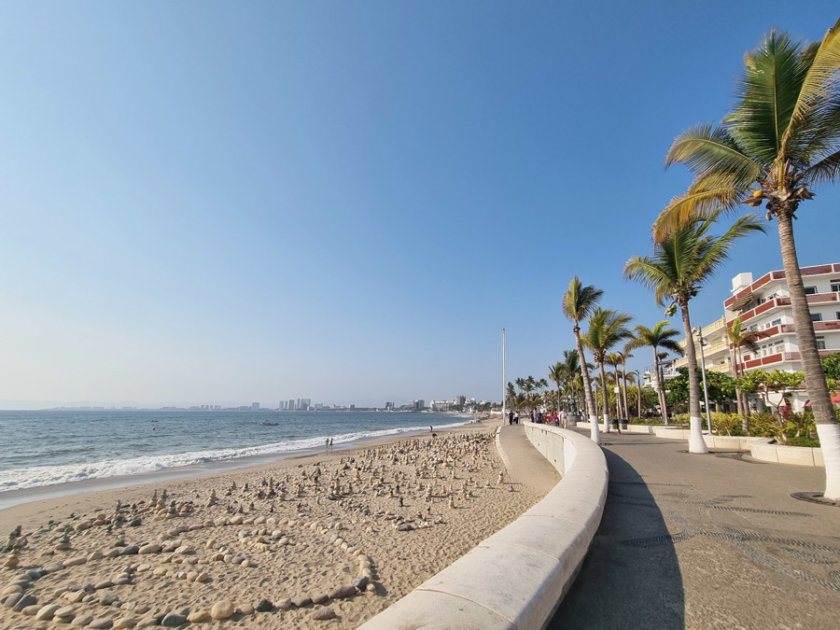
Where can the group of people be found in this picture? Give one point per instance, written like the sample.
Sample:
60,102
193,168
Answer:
539,417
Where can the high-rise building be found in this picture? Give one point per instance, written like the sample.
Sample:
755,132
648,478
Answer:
460,400
255,406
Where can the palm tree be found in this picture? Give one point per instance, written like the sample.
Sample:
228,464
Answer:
739,338
638,381
660,336
680,264
578,302
559,374
606,328
614,359
625,354
574,380
782,137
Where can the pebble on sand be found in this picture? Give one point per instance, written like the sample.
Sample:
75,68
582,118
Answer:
322,614
222,610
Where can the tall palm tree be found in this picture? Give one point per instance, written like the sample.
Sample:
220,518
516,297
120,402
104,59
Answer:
614,359
782,137
625,354
606,328
574,380
578,302
681,262
559,374
741,338
660,336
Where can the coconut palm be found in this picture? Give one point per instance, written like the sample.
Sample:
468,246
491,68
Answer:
614,359
741,338
783,137
680,264
606,328
660,336
559,374
625,354
578,302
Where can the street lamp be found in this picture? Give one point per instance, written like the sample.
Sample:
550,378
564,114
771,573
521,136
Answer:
504,379
699,332
638,394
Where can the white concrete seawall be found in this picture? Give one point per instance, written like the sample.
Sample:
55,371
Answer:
516,578
760,448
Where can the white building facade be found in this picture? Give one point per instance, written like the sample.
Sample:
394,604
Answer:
764,306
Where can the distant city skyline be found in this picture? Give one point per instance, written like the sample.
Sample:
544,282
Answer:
235,203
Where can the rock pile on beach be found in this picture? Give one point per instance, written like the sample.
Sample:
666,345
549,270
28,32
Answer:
327,541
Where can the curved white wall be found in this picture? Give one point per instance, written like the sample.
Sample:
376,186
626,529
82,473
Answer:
517,577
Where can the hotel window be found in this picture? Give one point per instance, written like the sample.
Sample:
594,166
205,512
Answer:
835,285
810,290
816,317
776,322
820,343
837,315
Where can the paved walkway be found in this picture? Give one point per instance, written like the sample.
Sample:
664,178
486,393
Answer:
524,463
706,541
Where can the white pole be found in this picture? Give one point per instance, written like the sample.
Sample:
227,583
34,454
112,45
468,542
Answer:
504,379
705,388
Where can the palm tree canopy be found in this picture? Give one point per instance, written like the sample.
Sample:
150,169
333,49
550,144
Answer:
579,300
660,336
606,328
783,135
686,257
743,337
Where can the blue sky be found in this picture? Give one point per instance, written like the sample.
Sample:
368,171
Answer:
219,202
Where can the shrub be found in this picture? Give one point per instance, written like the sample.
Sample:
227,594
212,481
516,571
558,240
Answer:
727,423
765,424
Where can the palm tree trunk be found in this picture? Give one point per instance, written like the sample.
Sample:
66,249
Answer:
594,434
660,388
558,403
827,427
624,390
696,444
606,397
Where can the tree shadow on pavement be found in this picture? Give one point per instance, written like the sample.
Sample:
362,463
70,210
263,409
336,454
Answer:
630,578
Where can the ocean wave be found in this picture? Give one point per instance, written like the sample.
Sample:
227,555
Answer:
34,476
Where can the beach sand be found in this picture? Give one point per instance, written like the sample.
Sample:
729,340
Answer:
392,514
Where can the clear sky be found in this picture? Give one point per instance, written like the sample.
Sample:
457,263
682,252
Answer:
346,201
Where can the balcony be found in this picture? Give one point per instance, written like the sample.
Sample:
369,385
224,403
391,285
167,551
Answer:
773,360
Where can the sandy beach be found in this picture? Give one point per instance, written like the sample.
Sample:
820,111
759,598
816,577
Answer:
325,540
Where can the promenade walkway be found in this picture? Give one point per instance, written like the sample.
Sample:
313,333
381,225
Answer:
706,541
524,463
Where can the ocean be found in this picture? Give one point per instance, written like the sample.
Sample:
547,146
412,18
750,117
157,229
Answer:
44,448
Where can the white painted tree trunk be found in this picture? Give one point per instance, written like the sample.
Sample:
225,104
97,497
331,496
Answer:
696,443
594,433
830,446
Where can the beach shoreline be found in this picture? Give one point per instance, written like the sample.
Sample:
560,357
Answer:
11,498
394,511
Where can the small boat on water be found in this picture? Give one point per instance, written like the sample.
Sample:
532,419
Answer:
269,424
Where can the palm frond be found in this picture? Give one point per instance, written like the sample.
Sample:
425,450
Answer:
819,81
706,195
579,300
706,149
826,170
768,94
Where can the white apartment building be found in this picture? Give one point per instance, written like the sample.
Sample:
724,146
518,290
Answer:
764,305
716,351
